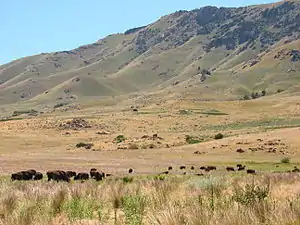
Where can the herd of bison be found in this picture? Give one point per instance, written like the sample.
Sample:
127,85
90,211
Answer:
60,175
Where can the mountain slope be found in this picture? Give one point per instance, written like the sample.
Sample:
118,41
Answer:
244,49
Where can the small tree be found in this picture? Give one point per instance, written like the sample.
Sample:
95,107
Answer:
246,97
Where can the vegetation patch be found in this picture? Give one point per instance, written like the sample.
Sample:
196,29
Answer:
193,140
84,145
119,139
59,105
30,112
219,136
9,119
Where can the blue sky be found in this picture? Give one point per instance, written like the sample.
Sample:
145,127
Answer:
31,27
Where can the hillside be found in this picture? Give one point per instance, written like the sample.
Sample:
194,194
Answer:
208,53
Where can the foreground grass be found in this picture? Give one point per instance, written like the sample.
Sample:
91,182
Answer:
258,199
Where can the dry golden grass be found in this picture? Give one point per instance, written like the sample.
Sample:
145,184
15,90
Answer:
170,200
41,144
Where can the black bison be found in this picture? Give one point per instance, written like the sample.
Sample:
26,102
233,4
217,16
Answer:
130,170
23,175
81,176
182,167
202,168
241,168
107,175
230,168
166,172
58,175
71,174
93,172
212,168
199,174
38,176
170,168
250,171
192,168
98,176
239,165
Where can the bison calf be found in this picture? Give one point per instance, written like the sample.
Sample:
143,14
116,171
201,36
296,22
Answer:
251,171
230,169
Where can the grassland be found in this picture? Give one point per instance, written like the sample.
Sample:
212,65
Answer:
169,200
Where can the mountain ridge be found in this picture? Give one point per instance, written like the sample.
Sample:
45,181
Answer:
164,55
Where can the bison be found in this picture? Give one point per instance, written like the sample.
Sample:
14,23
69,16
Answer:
130,170
38,176
71,174
212,168
81,176
192,167
230,169
182,167
170,168
93,172
241,168
250,171
202,168
166,172
58,175
98,176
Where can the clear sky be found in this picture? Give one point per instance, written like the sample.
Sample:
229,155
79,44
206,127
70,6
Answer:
31,27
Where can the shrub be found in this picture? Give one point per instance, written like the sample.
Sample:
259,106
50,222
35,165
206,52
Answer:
127,180
280,90
119,139
84,145
219,136
59,105
251,194
246,97
285,160
192,140
263,93
134,209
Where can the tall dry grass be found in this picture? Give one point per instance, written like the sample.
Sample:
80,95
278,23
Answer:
168,200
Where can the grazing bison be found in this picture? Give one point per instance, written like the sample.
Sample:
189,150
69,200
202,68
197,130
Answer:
71,174
98,176
17,176
166,172
182,167
250,171
130,170
241,168
212,168
107,175
58,175
239,165
81,176
170,168
23,175
93,172
230,169
199,174
202,168
38,176
192,168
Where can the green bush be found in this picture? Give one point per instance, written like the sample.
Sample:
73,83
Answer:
219,136
79,208
127,179
251,194
119,139
285,160
134,209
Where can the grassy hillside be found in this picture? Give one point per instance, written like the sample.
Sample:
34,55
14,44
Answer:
245,49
